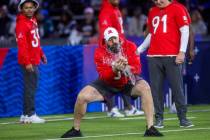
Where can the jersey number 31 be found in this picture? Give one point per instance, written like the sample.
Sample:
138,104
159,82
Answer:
35,41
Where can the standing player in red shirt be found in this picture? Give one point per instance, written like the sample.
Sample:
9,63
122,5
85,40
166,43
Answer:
190,50
29,56
190,54
116,61
167,41
110,16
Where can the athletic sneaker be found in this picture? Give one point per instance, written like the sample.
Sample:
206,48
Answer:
22,118
186,123
152,132
36,119
32,119
133,112
159,123
115,113
72,133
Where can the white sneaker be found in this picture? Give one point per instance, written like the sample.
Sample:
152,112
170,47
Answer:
133,112
26,119
36,119
172,109
115,113
33,119
22,118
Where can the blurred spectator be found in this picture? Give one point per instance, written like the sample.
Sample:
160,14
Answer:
125,18
74,38
203,7
205,10
57,17
94,39
87,26
46,27
5,23
198,25
96,4
66,24
12,7
137,23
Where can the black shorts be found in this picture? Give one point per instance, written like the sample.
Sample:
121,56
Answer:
108,92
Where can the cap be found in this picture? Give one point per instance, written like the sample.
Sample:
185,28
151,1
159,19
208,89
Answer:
110,32
23,1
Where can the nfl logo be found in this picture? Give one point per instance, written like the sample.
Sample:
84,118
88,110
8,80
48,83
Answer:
184,18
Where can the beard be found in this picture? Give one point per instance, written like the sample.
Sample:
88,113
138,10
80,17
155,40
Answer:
115,48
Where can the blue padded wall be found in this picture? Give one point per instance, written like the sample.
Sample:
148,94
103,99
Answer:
60,81
70,68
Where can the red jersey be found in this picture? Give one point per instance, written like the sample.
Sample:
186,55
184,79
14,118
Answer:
164,25
28,41
188,15
104,59
109,16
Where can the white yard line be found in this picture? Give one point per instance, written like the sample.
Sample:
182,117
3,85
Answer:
126,134
133,118
54,116
142,118
87,118
91,118
55,120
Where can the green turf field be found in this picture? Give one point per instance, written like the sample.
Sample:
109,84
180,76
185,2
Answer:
97,126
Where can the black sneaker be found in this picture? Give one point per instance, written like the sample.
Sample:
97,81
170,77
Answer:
159,123
186,123
152,132
72,133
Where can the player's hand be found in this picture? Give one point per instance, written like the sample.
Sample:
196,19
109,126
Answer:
123,60
119,64
29,68
180,58
44,59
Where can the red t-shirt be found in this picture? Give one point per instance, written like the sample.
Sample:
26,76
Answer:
28,41
188,15
104,59
164,25
109,16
